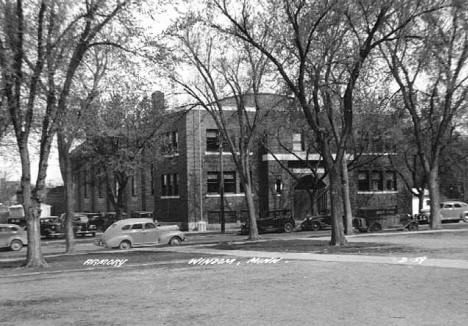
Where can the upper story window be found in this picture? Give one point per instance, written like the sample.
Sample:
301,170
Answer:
170,144
212,140
298,142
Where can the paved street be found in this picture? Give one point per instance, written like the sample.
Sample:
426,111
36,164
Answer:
200,284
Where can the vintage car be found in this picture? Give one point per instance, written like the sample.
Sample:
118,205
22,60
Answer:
51,226
12,236
450,211
279,220
315,223
128,233
142,214
374,220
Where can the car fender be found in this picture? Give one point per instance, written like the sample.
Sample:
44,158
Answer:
166,236
24,240
115,241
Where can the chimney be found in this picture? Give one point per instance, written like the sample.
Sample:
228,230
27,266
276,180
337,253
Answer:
157,100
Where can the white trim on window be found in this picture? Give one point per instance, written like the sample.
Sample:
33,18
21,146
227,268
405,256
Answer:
227,195
378,192
170,197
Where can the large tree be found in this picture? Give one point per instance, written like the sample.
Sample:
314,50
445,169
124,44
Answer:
320,49
223,78
431,74
36,38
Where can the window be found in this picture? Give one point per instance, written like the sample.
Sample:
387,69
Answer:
85,184
212,140
126,227
390,180
100,187
150,226
376,181
213,179
457,205
152,179
170,144
137,226
230,182
212,182
169,185
298,143
363,181
133,184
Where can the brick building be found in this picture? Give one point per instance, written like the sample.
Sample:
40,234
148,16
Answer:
181,185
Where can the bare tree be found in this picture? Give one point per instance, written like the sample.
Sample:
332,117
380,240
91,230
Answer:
431,74
314,45
224,74
35,39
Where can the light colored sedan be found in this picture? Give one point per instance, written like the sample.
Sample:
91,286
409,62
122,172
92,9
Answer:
449,211
12,236
128,233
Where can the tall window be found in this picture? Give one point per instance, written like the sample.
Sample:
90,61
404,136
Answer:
230,182
152,179
100,185
85,184
390,180
212,140
169,185
363,180
133,181
213,182
170,143
376,181
298,142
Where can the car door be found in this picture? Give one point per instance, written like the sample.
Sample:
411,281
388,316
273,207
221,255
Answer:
448,212
4,237
150,233
137,233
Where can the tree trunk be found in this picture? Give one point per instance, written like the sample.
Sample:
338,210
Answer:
433,183
66,171
337,236
348,216
31,207
253,230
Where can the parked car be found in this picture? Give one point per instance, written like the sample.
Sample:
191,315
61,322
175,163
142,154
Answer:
450,211
377,223
142,214
12,236
315,223
51,227
110,218
128,233
273,221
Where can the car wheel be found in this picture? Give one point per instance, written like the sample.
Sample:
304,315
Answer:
16,245
288,227
315,226
375,227
175,241
413,227
124,245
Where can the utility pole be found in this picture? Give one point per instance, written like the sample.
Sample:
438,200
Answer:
221,185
